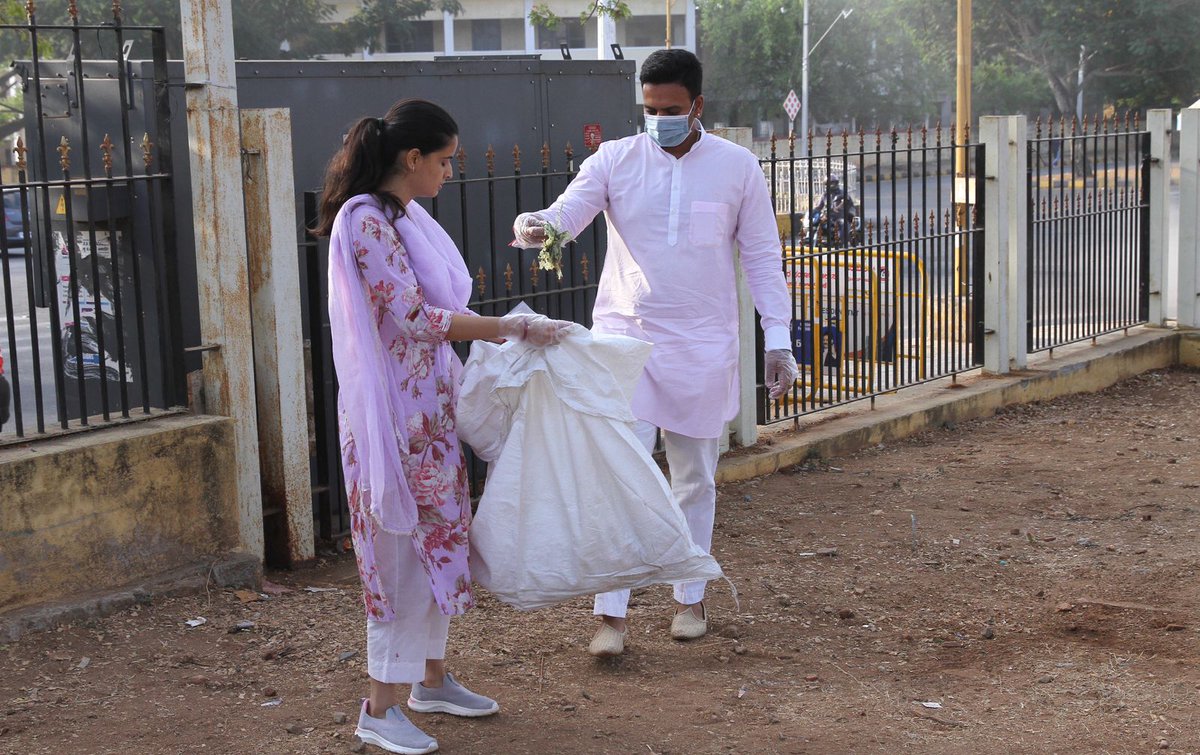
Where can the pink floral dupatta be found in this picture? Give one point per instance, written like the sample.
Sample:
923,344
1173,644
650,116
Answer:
369,396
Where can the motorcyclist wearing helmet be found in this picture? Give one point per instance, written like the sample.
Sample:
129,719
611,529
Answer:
834,211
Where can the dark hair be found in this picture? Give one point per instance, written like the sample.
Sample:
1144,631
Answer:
369,154
674,66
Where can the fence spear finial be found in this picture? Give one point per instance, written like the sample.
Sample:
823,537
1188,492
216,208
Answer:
73,10
461,158
545,156
116,10
774,143
937,129
147,151
106,148
30,9
583,266
482,285
20,150
1038,127
517,158
533,275
508,278
64,154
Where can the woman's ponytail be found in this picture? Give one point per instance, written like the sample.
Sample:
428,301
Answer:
368,155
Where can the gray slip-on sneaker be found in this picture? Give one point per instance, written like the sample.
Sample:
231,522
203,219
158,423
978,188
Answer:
452,698
394,732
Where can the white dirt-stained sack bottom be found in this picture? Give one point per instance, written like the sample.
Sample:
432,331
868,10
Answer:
573,505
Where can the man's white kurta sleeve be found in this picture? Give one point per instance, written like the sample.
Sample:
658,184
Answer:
585,197
762,259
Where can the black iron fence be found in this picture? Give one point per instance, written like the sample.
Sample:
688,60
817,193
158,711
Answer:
883,268
478,214
1089,229
87,269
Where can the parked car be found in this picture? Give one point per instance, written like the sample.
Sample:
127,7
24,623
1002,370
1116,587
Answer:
16,225
4,394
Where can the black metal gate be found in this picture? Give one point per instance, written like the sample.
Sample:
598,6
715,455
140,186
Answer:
91,330
503,277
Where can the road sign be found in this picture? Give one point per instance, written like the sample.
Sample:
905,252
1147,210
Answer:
791,104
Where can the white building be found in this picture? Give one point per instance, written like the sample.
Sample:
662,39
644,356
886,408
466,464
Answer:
502,27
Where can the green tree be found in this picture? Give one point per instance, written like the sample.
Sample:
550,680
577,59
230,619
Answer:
541,14
262,29
1135,53
868,68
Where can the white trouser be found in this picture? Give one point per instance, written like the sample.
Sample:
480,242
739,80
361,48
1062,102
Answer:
692,464
397,649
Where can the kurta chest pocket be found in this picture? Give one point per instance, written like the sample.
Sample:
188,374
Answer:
709,224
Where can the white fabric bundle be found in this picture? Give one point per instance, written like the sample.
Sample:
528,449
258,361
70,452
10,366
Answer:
573,504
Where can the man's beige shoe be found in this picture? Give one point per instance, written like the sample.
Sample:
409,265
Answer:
685,625
607,642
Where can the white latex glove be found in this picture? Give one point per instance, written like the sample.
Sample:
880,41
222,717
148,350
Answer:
529,230
535,330
780,372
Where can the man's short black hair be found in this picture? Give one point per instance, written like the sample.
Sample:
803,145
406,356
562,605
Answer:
674,66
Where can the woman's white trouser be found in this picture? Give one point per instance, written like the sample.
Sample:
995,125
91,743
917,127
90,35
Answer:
397,649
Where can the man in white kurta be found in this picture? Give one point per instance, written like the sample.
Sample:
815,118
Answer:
675,214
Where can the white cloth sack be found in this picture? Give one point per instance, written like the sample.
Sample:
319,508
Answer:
573,504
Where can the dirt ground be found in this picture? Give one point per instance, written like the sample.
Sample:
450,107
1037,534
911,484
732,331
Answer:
1025,583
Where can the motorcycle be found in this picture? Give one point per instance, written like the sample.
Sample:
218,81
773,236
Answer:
825,229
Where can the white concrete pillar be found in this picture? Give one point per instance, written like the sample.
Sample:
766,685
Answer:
744,427
606,34
214,149
270,190
1189,219
1159,124
530,33
1005,340
448,31
690,21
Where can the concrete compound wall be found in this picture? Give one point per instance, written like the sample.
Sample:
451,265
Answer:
93,511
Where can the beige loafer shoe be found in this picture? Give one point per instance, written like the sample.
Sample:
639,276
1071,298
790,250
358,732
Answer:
685,625
607,643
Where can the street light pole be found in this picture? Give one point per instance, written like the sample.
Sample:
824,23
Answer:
804,87
804,71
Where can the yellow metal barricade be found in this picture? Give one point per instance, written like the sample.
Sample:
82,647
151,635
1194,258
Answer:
860,320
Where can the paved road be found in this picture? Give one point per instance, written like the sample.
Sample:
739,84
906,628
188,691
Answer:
18,356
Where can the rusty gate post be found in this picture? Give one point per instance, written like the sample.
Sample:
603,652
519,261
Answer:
270,192
214,149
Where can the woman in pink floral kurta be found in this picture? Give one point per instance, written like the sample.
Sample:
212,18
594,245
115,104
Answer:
398,292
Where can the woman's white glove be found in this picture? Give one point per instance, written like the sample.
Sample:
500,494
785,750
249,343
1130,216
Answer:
779,372
535,330
529,230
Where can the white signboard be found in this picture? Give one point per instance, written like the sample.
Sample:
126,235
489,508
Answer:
791,105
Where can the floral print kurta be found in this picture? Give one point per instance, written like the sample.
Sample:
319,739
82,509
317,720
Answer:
423,372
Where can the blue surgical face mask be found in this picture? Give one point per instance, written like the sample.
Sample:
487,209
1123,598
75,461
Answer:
669,130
